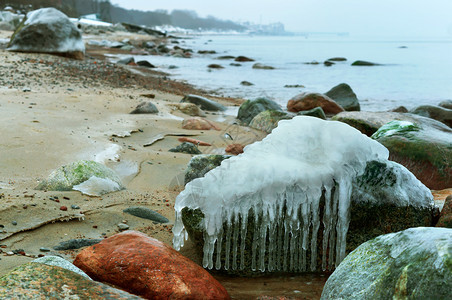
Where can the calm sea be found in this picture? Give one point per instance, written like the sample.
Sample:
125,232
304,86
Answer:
413,72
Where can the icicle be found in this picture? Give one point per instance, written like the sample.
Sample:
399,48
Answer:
228,241
235,241
343,218
314,199
327,223
243,232
219,248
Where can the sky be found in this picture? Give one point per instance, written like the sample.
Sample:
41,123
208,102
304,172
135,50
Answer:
407,18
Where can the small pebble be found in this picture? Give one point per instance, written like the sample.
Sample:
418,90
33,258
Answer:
43,249
63,208
14,223
73,206
123,226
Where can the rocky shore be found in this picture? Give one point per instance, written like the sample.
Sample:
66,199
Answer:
95,152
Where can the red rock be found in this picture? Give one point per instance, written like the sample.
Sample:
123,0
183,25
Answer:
198,123
307,101
145,266
445,217
235,149
63,208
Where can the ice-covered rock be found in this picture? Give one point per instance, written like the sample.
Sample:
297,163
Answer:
9,21
96,176
412,264
279,182
47,30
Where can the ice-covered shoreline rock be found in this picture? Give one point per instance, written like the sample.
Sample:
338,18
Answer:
48,30
282,180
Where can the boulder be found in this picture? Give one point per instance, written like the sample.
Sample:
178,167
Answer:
424,146
438,113
364,63
203,103
187,148
145,108
411,264
71,176
234,149
445,218
344,96
258,222
315,112
262,66
268,119
243,59
251,108
145,63
201,164
47,30
446,104
42,281
307,101
189,109
198,123
147,267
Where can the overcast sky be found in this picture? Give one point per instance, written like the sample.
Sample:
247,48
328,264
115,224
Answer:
409,18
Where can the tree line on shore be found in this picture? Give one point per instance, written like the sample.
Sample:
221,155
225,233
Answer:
115,14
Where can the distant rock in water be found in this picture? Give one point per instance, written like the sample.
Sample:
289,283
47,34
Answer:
364,63
207,52
145,107
337,59
226,57
262,67
344,96
246,83
235,65
204,103
48,30
294,86
400,109
411,264
215,66
307,101
328,63
243,59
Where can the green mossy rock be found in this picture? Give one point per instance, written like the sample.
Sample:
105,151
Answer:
268,120
412,264
315,112
424,146
344,96
386,198
187,148
201,164
251,108
41,281
66,177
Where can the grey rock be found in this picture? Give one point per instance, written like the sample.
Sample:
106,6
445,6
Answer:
262,66
315,112
126,60
186,147
204,103
123,226
251,108
60,262
411,264
146,213
246,83
446,104
438,113
201,164
145,108
364,63
76,244
344,96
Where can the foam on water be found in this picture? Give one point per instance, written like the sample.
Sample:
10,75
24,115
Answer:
281,180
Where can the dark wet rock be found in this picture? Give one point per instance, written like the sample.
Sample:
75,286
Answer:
235,65
262,66
438,113
41,281
76,244
400,109
267,120
146,213
424,146
308,101
149,268
246,83
204,103
76,173
364,63
186,147
215,66
312,63
145,108
412,264
337,59
328,63
60,262
201,164
445,218
344,96
294,86
226,57
251,108
315,112
207,52
126,60
48,30
243,59
385,198
145,63
446,104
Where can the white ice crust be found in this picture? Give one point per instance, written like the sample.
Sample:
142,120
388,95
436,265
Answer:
301,159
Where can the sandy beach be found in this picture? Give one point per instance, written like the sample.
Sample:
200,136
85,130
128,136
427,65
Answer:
55,111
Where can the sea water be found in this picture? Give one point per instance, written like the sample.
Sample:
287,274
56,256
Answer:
412,72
